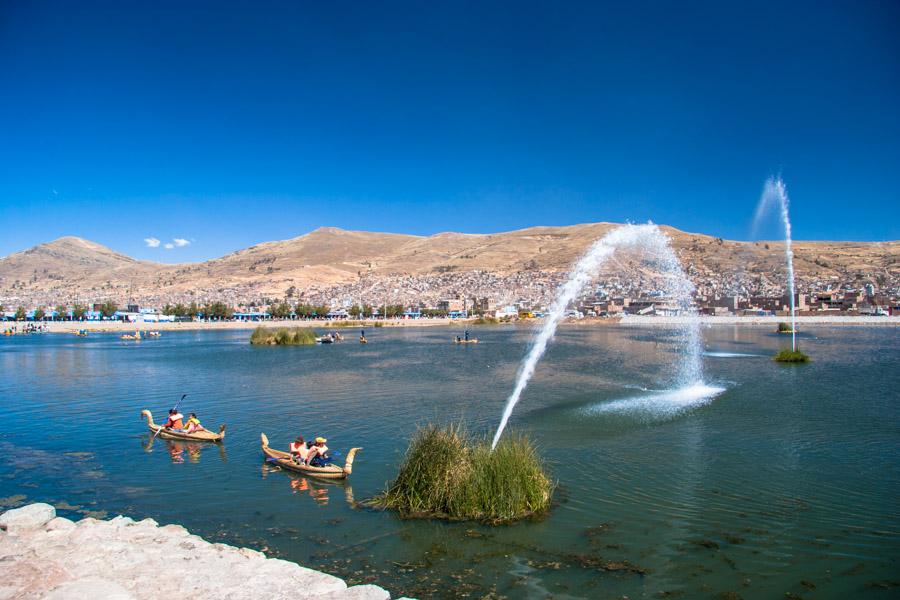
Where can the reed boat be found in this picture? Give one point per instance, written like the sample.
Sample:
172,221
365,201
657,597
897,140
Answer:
284,460
169,434
127,336
154,334
363,340
472,341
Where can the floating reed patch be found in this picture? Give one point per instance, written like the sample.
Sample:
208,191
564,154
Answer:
485,321
283,336
791,356
448,474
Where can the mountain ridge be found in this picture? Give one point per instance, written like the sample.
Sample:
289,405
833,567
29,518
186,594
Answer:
71,266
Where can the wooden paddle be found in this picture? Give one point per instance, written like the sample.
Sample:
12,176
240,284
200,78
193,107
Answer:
175,408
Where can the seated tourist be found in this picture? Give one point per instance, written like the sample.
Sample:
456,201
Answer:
175,420
299,450
193,424
317,453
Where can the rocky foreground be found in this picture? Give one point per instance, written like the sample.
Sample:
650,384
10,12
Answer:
50,557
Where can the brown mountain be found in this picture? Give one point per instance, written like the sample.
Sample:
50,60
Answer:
71,268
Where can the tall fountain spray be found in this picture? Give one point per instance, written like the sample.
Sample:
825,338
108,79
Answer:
650,239
774,193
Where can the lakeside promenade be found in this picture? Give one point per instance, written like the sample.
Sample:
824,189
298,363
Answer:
628,320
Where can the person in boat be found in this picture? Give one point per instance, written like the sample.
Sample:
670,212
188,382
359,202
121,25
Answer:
193,424
467,335
175,421
299,450
317,453
458,339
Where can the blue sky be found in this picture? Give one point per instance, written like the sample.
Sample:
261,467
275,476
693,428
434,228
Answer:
224,125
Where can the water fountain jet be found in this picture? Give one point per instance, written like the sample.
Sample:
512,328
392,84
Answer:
774,193
656,244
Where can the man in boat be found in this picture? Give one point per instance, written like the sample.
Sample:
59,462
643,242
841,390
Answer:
317,453
299,450
193,424
467,335
175,420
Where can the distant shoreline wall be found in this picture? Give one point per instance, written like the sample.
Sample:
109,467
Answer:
628,320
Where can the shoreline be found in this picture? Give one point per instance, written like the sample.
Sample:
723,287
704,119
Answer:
54,558
628,320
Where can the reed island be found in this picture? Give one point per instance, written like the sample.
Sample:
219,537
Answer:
450,474
283,336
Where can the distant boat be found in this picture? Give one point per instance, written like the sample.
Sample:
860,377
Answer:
136,337
154,334
462,341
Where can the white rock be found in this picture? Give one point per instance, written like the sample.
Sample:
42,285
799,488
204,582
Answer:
357,592
120,560
89,588
60,524
33,516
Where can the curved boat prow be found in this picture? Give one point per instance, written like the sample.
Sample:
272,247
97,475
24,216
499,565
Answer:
264,440
146,415
348,464
222,430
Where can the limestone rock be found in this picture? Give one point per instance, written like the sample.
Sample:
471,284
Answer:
33,516
89,588
357,592
60,524
119,559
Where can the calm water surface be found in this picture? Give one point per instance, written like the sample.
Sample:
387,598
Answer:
786,482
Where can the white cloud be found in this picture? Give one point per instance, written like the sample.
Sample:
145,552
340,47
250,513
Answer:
151,242
181,242
168,246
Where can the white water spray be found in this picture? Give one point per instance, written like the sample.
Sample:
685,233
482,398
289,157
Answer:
775,192
655,243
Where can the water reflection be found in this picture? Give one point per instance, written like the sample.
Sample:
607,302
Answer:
317,489
180,451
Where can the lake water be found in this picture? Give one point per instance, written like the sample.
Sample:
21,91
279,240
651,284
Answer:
785,483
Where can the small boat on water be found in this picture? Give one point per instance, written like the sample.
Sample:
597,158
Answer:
81,333
171,434
136,337
461,341
285,461
363,340
154,334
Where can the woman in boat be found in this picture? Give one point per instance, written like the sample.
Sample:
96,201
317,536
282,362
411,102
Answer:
299,450
193,424
175,420
317,452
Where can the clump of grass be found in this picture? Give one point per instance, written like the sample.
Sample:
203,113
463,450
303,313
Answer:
791,356
283,336
485,321
448,474
342,324
378,324
784,328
